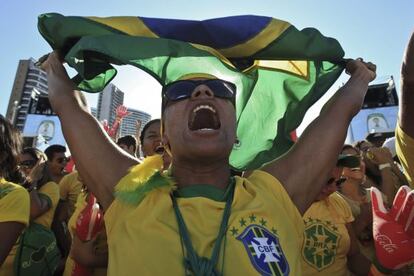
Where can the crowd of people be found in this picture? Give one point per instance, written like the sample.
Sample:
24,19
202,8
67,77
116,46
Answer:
323,208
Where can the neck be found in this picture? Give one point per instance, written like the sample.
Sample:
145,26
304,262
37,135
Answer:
216,174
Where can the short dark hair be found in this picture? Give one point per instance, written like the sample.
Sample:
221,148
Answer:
51,150
147,125
128,140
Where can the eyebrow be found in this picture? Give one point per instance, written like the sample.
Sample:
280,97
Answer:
150,132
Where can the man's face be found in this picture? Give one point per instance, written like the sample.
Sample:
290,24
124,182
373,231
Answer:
201,127
151,142
129,150
58,163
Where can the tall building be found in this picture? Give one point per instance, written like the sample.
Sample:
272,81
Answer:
128,125
94,112
109,99
29,108
30,83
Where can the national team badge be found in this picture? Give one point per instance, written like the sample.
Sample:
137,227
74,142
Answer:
320,244
264,250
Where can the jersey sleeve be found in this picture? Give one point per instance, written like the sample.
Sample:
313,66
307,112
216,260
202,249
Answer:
404,145
50,191
342,208
15,206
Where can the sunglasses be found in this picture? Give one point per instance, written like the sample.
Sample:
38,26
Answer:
27,164
338,182
183,89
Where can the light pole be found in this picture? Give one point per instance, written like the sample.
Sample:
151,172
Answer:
16,107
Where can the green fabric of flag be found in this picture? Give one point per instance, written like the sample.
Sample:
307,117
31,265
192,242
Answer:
279,71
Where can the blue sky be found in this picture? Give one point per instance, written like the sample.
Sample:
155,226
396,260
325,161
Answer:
376,30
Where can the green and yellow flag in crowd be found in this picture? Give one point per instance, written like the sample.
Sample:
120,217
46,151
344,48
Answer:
279,71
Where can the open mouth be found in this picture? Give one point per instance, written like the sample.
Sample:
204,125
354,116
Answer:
159,150
204,117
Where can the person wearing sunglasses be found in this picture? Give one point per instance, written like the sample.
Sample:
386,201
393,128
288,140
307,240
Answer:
328,237
183,89
198,219
28,158
357,196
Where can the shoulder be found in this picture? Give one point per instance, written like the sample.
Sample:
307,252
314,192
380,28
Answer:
337,200
10,190
14,203
269,187
69,178
50,186
141,181
51,190
341,206
262,180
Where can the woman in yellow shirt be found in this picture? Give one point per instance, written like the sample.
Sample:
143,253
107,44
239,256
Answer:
14,200
44,195
330,246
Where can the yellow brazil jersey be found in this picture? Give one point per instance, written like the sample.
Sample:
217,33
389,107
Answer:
70,187
404,145
50,192
14,206
326,240
264,233
101,244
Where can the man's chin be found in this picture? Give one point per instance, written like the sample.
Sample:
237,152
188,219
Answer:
208,151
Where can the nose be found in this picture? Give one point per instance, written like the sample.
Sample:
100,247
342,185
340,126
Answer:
156,141
202,92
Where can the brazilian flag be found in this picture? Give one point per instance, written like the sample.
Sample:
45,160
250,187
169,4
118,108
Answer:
279,71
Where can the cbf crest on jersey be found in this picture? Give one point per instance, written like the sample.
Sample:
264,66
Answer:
264,250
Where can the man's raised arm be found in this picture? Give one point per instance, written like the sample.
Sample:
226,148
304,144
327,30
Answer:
98,159
406,115
307,166
405,130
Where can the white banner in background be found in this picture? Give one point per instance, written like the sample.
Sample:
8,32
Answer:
46,130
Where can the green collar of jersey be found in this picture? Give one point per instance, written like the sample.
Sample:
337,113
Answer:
147,176
203,190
